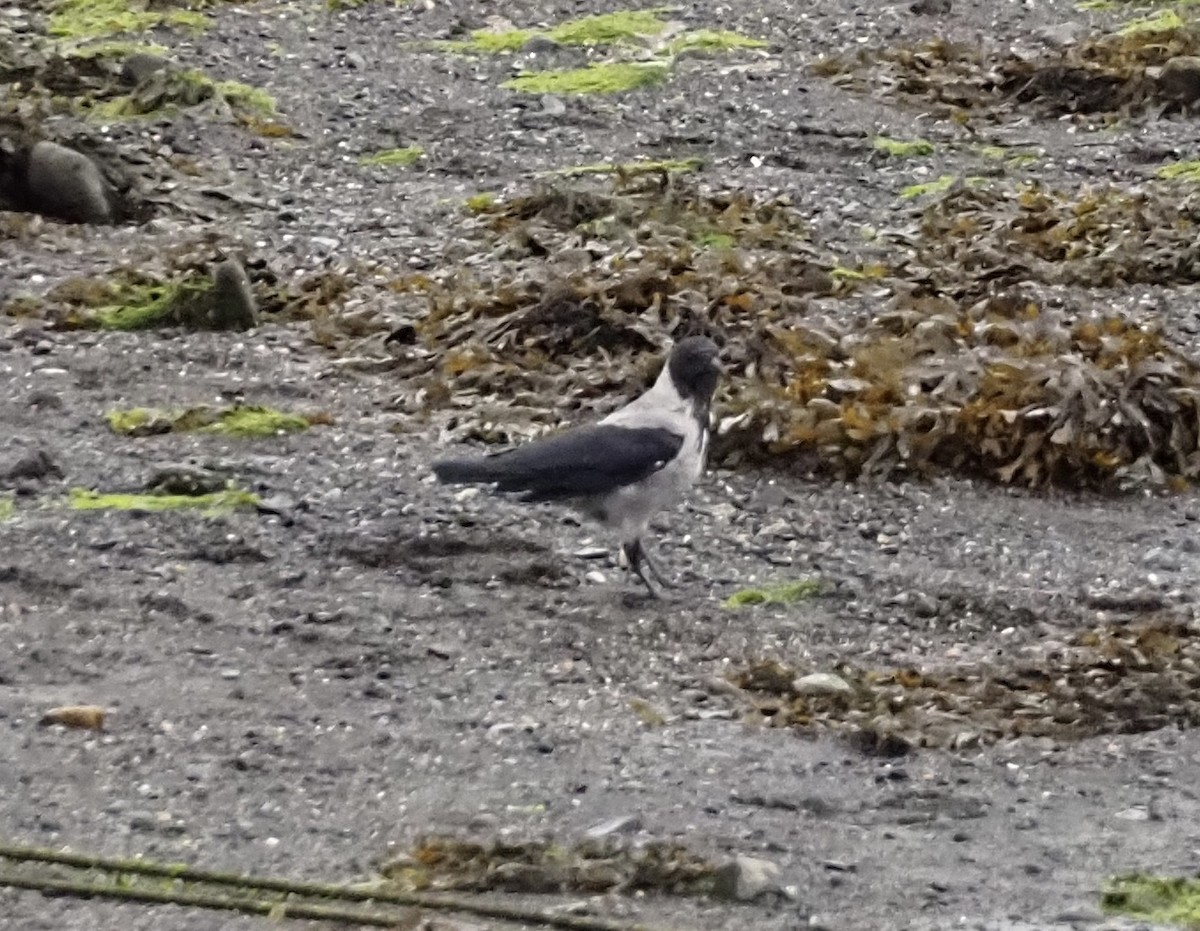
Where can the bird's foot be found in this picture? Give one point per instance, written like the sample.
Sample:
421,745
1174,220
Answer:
639,561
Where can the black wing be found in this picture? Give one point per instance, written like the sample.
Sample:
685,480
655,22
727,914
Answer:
577,463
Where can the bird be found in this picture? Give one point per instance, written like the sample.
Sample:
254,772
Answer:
622,470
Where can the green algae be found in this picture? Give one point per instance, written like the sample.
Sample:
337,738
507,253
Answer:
633,169
938,186
902,148
169,89
393,158
602,78
481,202
1180,171
1162,21
239,420
714,40
609,28
783,594
87,19
220,502
145,307
7,508
1155,899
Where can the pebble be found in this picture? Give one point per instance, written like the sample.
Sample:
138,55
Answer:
67,184
596,577
624,824
822,683
744,879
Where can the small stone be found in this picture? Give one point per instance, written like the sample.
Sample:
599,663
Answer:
36,465
553,106
591,552
234,306
596,577
822,683
142,821
1179,79
67,184
1083,914
931,7
185,479
539,45
625,824
1136,813
139,66
744,879
1061,34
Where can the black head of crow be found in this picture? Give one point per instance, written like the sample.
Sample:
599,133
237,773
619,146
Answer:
624,469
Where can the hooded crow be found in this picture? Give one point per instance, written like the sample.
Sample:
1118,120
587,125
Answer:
627,467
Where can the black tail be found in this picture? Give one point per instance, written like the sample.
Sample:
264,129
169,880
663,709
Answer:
463,471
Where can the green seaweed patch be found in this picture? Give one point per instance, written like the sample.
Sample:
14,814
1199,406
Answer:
87,19
239,420
714,40
938,186
8,509
620,28
218,502
600,78
1180,171
146,307
169,89
1162,21
245,97
871,272
1155,899
785,593
335,5
481,202
393,158
633,169
116,49
715,239
609,28
902,148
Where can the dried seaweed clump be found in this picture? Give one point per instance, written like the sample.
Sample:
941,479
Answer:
1139,66
583,284
1005,388
1110,680
971,240
443,863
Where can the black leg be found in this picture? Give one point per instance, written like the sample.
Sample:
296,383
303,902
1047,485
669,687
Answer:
652,565
636,557
639,561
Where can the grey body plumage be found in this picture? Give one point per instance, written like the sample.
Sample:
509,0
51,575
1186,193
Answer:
637,461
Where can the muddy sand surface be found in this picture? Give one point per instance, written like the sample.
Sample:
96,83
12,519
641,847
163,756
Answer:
308,686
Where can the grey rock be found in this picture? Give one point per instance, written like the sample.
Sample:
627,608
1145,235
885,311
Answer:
36,465
1061,34
1082,914
234,307
540,45
822,683
1136,813
142,821
624,824
744,879
140,65
67,184
553,106
185,479
931,7
1179,79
